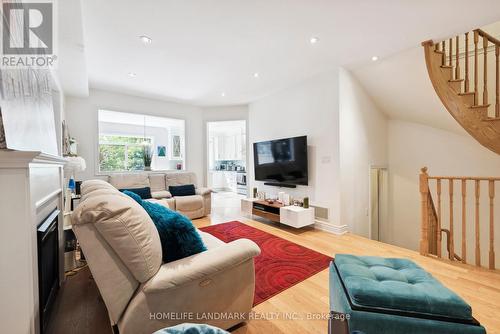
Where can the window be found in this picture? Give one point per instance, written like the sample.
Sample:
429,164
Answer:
120,153
125,138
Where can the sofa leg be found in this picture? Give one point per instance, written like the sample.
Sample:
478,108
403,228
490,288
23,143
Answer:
337,324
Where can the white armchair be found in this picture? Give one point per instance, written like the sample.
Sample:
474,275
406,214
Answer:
123,252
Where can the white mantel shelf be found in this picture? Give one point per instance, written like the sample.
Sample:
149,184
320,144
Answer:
22,159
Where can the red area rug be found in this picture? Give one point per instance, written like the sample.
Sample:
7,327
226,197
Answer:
281,263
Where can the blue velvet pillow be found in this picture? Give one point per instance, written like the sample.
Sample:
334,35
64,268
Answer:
144,193
184,190
179,238
191,329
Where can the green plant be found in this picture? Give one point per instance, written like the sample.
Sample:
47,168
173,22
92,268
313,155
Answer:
147,155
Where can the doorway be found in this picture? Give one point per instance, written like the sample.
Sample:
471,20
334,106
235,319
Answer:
378,202
227,156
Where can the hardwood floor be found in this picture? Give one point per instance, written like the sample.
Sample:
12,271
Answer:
79,310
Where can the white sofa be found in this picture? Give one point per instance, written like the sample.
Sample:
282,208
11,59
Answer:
194,206
142,295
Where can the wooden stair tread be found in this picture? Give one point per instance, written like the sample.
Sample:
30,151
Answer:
456,80
466,93
446,66
491,119
439,51
478,106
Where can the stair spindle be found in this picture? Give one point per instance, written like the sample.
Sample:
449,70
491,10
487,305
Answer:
476,91
457,56
497,104
443,56
438,230
466,59
485,75
452,239
450,53
478,247
492,227
464,222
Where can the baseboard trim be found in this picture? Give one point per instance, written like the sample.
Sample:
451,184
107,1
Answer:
335,229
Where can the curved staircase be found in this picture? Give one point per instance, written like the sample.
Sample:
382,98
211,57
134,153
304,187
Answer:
464,89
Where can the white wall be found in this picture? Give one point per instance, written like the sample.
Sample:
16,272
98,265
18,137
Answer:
81,115
412,146
363,143
308,108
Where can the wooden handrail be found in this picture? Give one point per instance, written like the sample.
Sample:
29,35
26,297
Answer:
433,220
490,38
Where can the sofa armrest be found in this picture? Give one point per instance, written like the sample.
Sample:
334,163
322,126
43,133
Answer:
161,194
203,191
195,267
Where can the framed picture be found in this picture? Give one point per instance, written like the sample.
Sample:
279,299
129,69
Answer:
162,151
176,147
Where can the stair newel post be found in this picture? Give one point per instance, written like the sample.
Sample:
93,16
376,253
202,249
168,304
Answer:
476,91
438,230
457,56
466,59
443,55
497,104
424,192
464,221
450,53
452,238
485,75
478,243
492,226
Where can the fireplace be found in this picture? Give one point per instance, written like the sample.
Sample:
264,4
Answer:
48,265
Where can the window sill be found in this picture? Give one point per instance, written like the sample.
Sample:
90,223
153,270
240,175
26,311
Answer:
139,172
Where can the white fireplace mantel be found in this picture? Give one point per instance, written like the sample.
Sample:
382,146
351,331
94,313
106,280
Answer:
31,187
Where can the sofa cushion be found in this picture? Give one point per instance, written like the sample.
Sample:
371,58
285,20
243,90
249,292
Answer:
144,193
157,182
161,194
184,190
167,202
179,238
129,180
125,226
189,203
397,285
179,178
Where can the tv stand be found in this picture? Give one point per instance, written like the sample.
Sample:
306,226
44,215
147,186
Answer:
278,184
290,215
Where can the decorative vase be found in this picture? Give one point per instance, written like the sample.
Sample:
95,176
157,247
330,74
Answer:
306,202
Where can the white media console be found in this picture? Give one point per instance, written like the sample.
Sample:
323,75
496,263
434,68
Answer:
290,215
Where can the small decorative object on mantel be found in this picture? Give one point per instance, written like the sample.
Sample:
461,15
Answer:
3,143
147,155
254,192
179,166
306,203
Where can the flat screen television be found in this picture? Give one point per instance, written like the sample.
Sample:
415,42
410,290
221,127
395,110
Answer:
281,162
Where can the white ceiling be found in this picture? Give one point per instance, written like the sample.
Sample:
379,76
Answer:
202,48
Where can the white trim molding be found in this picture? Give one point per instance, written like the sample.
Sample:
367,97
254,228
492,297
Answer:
335,229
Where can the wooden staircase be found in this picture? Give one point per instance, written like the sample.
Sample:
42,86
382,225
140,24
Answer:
459,70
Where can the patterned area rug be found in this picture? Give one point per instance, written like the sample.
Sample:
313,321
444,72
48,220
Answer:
281,263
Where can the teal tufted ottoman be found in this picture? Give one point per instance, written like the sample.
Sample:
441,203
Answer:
394,296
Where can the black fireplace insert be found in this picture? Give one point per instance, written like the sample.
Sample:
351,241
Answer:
48,265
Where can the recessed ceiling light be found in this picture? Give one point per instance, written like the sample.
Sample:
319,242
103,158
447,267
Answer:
223,94
145,39
256,75
132,74
314,40
374,58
